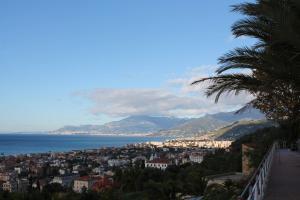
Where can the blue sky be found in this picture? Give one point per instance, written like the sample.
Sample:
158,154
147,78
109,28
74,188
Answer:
60,58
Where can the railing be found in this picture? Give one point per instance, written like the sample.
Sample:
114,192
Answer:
257,184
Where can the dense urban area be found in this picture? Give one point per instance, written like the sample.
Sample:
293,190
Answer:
94,169
175,169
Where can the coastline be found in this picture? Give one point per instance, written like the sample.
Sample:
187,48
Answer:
16,144
81,133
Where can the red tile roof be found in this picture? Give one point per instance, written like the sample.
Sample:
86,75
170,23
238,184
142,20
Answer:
159,160
83,178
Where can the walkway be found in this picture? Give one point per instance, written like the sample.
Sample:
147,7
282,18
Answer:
284,182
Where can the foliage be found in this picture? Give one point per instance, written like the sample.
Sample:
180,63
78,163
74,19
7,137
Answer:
222,162
46,195
263,139
272,73
156,184
228,191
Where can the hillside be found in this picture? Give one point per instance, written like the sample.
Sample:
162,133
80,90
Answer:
129,125
249,114
194,127
239,129
162,126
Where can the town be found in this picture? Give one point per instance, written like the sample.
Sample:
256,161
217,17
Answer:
93,169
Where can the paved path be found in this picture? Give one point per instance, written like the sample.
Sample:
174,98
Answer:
284,182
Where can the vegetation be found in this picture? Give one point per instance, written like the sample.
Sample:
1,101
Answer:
228,191
138,182
156,184
263,140
269,69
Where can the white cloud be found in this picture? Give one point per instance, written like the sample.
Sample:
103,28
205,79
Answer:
183,83
179,98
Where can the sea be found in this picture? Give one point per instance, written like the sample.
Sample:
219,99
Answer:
14,144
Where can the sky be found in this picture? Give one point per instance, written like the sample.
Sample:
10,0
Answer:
74,62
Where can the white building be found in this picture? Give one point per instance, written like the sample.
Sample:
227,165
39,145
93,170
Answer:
65,181
97,170
157,163
138,158
19,170
62,171
76,167
196,157
117,162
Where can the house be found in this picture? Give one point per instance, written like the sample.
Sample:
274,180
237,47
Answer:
40,184
19,170
117,162
196,157
109,173
133,160
158,163
83,183
65,181
6,176
97,170
102,184
76,167
10,186
62,171
139,160
22,185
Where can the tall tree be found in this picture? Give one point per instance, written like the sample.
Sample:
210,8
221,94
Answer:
272,65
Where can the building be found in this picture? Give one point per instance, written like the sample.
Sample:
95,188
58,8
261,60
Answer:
196,157
6,176
10,186
117,162
62,171
18,170
39,184
97,170
83,183
158,163
137,158
65,181
22,185
102,184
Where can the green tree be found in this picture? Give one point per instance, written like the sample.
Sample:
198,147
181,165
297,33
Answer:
228,191
272,65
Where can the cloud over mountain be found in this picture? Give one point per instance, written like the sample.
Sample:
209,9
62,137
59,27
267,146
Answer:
178,98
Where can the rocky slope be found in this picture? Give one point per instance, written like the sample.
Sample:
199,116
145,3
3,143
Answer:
164,126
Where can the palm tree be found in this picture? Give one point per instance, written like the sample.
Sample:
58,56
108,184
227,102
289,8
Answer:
272,64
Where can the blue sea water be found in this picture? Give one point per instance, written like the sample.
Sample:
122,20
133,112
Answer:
12,144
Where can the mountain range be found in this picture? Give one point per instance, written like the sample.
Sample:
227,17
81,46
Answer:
238,129
164,126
